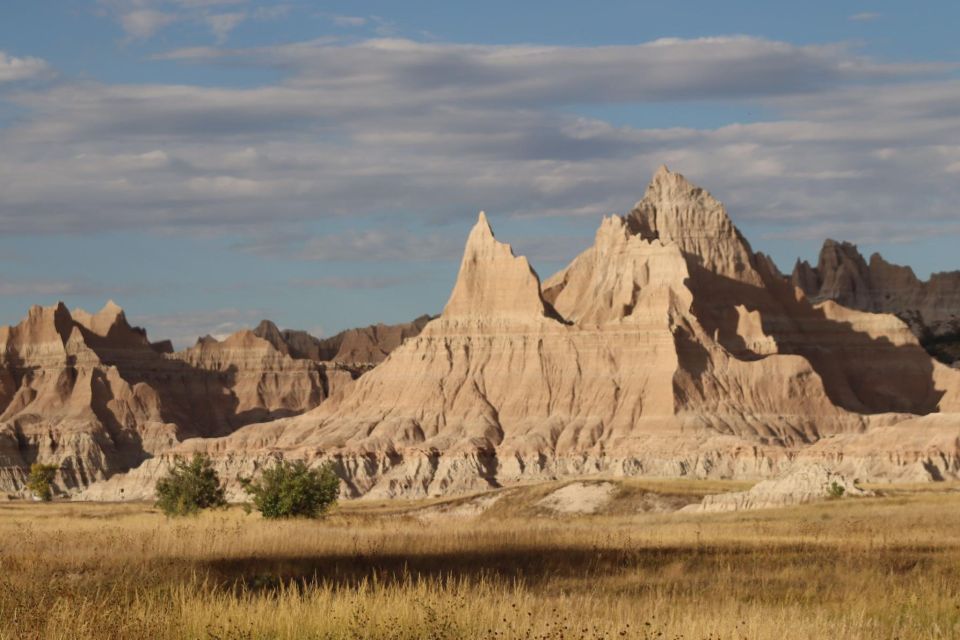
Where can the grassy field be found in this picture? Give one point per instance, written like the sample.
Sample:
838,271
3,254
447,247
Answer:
884,567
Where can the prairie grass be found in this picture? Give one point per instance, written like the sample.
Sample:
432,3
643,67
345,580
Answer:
885,567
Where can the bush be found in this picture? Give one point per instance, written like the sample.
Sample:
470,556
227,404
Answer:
291,490
835,490
190,487
40,480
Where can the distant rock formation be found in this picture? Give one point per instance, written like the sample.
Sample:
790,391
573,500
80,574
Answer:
362,346
931,308
93,395
667,348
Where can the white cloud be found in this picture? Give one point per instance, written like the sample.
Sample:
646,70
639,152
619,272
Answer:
435,132
142,24
13,68
142,19
349,21
221,24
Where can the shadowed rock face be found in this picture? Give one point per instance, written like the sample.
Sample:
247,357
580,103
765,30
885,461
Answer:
363,346
931,308
91,393
667,348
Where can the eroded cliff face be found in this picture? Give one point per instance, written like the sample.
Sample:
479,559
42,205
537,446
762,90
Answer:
931,308
90,393
666,348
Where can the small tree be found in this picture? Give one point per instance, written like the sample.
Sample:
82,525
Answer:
836,490
40,480
291,490
189,487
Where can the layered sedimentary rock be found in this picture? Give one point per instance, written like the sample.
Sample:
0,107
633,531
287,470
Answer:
668,347
90,393
63,403
931,308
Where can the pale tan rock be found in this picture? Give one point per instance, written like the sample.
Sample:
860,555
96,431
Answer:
808,483
579,497
667,348
493,285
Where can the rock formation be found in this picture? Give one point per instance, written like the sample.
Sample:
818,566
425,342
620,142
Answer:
667,348
931,308
364,346
93,395
802,485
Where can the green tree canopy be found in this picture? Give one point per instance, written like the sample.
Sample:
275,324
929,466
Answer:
40,480
189,487
291,490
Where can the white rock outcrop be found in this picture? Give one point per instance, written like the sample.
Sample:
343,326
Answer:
803,484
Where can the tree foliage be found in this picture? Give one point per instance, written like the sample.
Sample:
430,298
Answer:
292,490
40,480
189,487
835,490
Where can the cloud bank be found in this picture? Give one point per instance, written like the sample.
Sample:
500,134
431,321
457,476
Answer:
432,132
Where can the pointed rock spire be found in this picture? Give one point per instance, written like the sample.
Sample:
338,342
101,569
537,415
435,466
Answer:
268,331
493,283
109,328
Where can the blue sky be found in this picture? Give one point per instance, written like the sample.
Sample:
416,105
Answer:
207,163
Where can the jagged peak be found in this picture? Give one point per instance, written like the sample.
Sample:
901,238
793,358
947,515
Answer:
42,327
494,283
484,224
102,321
111,307
269,331
676,210
666,182
266,326
878,262
108,328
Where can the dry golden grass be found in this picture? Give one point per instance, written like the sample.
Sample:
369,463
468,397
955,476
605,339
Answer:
886,567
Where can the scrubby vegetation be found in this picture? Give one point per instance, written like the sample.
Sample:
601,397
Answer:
190,487
292,490
886,567
40,480
836,490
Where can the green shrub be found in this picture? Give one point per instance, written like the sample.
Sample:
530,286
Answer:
40,480
835,490
189,487
292,490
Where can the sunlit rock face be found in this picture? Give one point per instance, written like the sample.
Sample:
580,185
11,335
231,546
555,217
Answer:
668,347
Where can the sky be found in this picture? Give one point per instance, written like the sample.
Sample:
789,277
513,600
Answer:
209,163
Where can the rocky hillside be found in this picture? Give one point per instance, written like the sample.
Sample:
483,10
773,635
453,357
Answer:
93,395
669,347
931,307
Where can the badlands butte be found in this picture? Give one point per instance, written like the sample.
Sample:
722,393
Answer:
668,348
